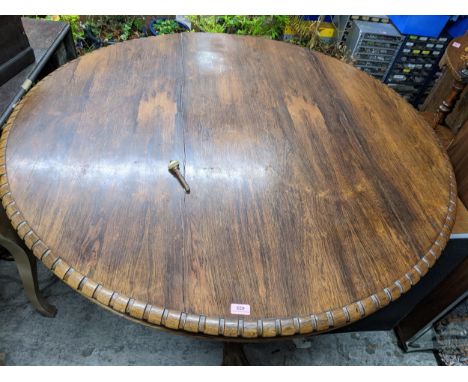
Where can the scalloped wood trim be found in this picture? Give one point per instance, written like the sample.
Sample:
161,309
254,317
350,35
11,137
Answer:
217,326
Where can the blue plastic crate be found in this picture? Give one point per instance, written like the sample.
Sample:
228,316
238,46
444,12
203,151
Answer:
459,27
430,26
327,19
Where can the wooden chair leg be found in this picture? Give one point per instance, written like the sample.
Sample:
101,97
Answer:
27,268
447,104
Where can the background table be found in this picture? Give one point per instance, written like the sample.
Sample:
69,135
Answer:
318,195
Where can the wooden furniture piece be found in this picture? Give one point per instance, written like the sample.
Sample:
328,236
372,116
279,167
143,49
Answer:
317,195
15,52
43,36
454,288
458,153
450,87
26,264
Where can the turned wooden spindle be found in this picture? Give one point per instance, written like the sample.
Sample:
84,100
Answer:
456,60
447,104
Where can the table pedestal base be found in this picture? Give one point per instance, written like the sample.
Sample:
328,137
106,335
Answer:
233,355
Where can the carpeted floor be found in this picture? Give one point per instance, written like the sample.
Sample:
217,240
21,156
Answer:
84,334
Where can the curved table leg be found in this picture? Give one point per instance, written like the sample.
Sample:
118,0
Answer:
233,355
27,268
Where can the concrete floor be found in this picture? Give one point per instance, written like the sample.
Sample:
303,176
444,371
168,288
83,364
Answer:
82,333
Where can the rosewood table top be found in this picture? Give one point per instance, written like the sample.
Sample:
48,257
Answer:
317,194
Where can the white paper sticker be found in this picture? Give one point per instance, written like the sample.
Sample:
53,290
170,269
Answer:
456,44
243,309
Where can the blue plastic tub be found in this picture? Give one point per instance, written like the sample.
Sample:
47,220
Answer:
430,26
459,27
327,19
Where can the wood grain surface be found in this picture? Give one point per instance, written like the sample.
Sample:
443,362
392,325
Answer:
458,153
439,92
456,57
317,194
449,89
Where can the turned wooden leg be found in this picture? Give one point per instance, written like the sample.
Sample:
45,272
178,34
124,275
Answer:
447,104
233,355
27,268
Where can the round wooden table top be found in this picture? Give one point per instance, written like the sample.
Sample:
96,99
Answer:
317,194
